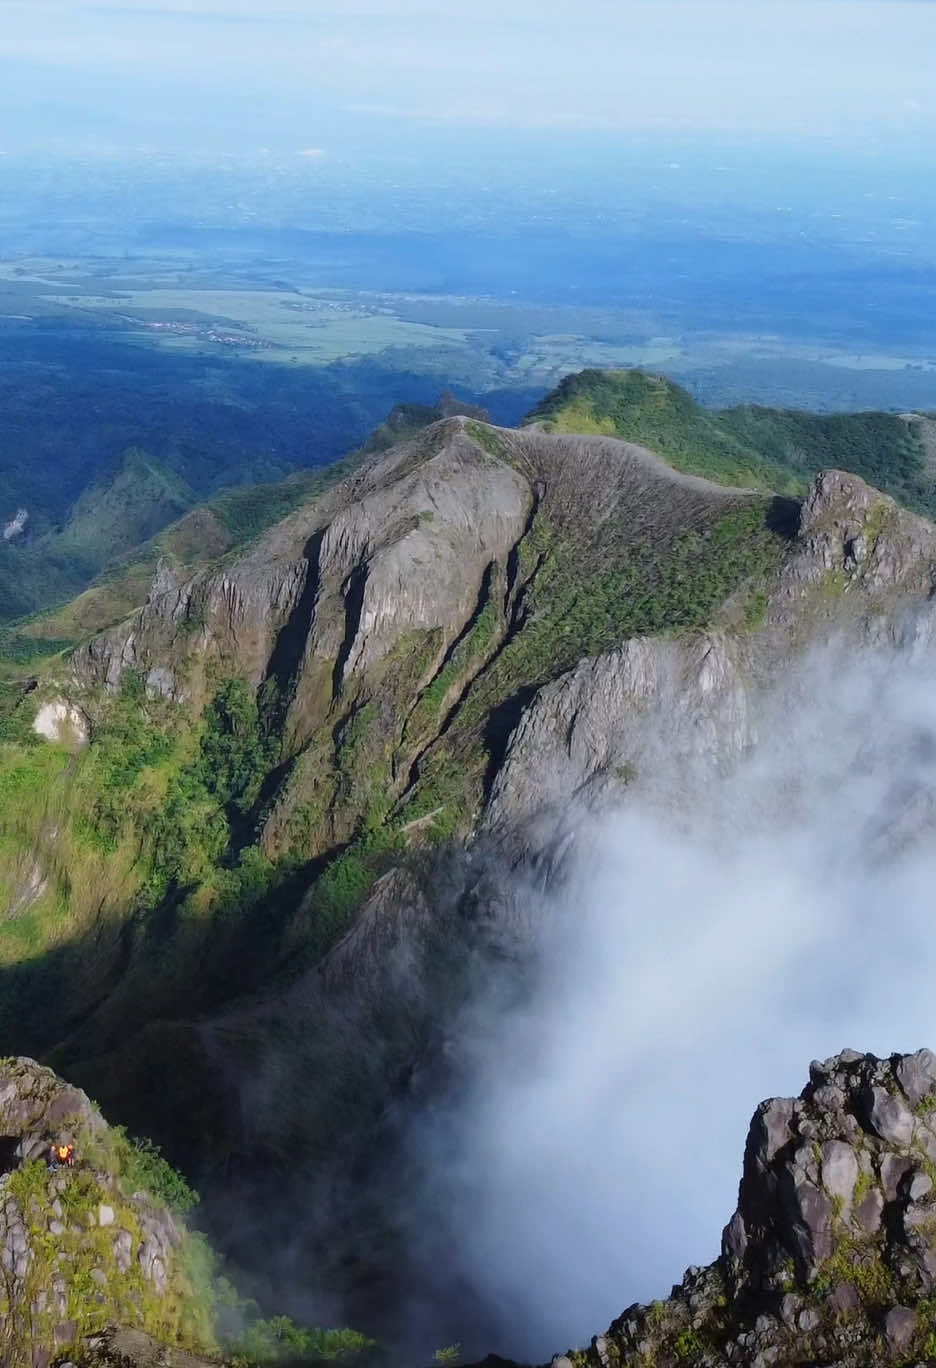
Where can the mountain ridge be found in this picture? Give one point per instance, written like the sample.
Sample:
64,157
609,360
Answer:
776,450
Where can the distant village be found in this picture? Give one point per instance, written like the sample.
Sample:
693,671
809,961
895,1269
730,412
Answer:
184,328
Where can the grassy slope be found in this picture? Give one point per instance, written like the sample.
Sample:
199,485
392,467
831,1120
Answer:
761,448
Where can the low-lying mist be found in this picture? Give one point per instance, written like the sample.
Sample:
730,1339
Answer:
705,943
529,1110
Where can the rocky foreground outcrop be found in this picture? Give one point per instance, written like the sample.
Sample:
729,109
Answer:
80,1253
830,1258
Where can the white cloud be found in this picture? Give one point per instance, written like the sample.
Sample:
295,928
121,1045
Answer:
704,950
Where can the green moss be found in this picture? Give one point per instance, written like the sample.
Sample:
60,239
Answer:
880,519
860,1263
82,1254
687,1346
863,1186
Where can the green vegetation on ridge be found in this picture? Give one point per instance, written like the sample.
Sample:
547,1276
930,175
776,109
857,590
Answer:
763,448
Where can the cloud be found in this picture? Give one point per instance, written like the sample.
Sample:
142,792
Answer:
701,951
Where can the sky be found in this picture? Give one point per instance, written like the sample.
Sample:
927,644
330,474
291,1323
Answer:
238,75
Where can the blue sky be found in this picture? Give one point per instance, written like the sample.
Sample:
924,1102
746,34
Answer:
240,75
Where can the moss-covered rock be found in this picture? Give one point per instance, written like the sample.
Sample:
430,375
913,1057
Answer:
80,1248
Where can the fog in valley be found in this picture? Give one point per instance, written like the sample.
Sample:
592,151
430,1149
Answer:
707,942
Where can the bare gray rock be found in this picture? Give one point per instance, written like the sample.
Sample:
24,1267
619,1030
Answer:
916,1074
900,1325
889,1116
603,719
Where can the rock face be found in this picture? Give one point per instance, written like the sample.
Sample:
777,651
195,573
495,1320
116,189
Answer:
595,730
76,1251
830,1257
859,567
400,547
121,1348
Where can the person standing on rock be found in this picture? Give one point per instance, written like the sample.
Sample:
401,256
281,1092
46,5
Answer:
61,1156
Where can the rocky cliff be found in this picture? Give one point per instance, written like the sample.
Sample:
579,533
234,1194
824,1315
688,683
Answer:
368,618
80,1249
859,568
830,1258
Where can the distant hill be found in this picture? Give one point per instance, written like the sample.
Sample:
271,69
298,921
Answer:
762,448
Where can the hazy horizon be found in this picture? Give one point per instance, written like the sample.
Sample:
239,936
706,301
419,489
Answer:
235,76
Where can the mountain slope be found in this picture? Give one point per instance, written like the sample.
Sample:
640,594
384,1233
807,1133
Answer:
244,826
279,730
776,449
271,735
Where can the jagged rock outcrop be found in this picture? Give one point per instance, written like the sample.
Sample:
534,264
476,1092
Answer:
848,528
77,1251
399,547
830,1258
